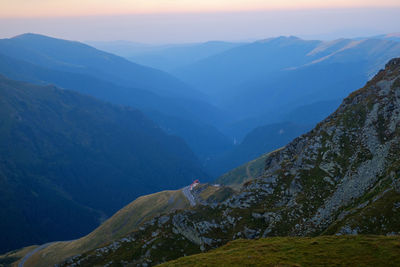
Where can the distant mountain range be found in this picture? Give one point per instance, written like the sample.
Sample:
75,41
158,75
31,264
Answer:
229,90
69,161
165,57
175,106
262,80
391,36
256,67
229,69
79,58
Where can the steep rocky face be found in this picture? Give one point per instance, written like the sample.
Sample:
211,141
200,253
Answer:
346,163
340,178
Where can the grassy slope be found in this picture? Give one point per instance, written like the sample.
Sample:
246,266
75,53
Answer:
236,177
295,251
212,194
123,222
10,258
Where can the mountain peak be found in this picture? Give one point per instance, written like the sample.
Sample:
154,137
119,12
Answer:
280,39
393,63
30,36
390,72
394,34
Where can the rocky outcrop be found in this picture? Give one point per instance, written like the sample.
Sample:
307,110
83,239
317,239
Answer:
343,177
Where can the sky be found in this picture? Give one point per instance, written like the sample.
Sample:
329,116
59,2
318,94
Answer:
176,21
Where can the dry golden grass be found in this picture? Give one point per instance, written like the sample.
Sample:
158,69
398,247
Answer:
123,222
301,251
14,256
248,171
209,191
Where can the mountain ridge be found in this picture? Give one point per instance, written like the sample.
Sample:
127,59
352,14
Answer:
171,112
327,70
78,57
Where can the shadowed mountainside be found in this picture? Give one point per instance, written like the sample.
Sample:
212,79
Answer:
177,108
259,141
259,81
164,57
66,156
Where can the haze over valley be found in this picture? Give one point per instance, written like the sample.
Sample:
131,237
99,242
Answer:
165,132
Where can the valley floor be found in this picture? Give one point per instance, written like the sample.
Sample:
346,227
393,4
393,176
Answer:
301,251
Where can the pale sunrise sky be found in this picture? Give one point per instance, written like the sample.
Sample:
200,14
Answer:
171,21
39,8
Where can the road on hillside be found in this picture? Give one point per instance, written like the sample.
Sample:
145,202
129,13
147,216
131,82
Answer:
186,191
30,254
188,194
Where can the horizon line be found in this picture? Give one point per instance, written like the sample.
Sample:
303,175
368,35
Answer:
254,40
192,12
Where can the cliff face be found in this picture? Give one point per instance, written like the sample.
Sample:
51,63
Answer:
345,165
340,178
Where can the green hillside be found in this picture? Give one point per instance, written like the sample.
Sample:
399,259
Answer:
126,220
68,161
301,251
250,170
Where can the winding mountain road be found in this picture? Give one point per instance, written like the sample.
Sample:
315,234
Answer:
186,191
189,196
31,253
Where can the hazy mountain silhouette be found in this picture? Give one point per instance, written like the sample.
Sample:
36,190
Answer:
218,74
80,58
260,82
164,57
172,111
